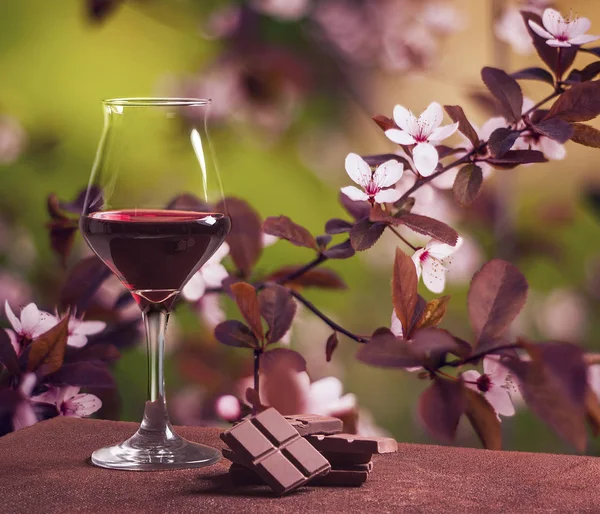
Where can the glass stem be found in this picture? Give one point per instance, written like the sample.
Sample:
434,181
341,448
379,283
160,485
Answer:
155,412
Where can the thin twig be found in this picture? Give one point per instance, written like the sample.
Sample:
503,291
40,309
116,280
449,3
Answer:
479,355
327,320
402,238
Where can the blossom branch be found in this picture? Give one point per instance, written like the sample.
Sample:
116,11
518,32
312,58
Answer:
402,238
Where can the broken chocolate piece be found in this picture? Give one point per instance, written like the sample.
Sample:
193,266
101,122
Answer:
271,447
310,424
348,443
342,460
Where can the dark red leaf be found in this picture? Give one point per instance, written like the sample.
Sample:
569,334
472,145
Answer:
365,234
587,73
62,236
94,198
467,184
248,304
253,398
580,102
338,226
99,10
8,356
429,227
446,151
83,374
534,74
358,210
506,90
188,202
441,407
404,287
235,333
383,122
594,51
547,53
282,357
376,160
554,385
284,228
513,158
385,350
245,237
458,115
497,294
93,352
323,240
555,128
586,135
278,308
502,140
432,345
82,283
317,277
340,251
484,420
47,352
122,334
330,346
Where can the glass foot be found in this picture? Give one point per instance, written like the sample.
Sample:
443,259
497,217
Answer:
151,451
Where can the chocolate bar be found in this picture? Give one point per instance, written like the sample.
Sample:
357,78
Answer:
341,460
348,443
273,449
310,424
241,475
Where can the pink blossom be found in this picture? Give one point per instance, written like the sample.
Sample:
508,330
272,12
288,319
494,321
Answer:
593,374
442,17
563,316
69,402
288,10
210,275
24,415
432,261
79,330
228,407
551,149
13,140
373,183
496,384
424,132
397,329
31,324
325,397
511,29
561,32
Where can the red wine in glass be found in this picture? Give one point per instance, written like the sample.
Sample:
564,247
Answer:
154,252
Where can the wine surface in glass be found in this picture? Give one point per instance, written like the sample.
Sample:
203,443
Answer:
154,252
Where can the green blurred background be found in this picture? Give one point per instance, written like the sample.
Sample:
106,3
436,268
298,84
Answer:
56,66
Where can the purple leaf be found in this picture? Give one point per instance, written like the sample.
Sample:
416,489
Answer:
365,234
245,237
245,297
555,128
404,288
586,135
376,160
554,385
278,308
47,351
235,333
8,356
539,74
83,374
432,345
513,158
385,350
497,294
594,51
284,228
584,75
317,277
323,240
98,10
484,420
383,122
464,126
282,357
502,140
330,346
467,184
76,207
581,102
340,251
122,335
82,283
441,407
429,227
188,202
93,352
506,90
338,226
358,210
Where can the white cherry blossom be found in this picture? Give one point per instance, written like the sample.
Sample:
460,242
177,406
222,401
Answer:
30,324
373,183
432,261
561,32
210,275
424,132
511,29
69,402
496,384
79,330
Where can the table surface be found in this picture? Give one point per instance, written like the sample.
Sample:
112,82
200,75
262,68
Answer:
45,468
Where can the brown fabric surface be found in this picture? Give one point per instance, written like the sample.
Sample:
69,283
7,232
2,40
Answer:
45,468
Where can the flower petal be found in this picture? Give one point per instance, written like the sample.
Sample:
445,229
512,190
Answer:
552,20
416,257
214,275
358,170
401,117
30,317
431,118
426,158
354,193
47,321
471,376
89,328
220,254
434,275
500,400
441,133
13,320
195,287
583,40
539,30
578,27
387,196
388,173
210,310
48,396
400,137
14,341
442,250
82,405
396,327
557,43
77,340
552,149
324,391
24,416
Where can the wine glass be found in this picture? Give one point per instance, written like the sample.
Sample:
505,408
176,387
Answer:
140,219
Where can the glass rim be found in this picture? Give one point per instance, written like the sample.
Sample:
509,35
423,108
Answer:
158,101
